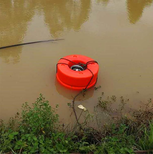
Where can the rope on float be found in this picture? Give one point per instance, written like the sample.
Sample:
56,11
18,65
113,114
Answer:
82,65
83,90
15,45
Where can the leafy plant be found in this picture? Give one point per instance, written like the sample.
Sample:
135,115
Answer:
38,119
146,142
33,128
117,143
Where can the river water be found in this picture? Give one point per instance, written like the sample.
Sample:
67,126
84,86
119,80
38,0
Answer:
116,33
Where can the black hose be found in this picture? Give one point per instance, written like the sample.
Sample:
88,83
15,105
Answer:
15,45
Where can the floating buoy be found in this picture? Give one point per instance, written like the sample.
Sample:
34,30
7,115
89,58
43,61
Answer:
77,72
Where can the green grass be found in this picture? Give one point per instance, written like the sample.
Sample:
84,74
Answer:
146,141
37,130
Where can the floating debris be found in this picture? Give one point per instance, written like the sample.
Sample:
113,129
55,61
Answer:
82,107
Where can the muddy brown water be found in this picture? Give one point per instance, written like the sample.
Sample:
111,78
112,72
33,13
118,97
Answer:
116,33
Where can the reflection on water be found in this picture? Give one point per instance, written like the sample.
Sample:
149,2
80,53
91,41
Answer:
14,20
11,56
135,9
105,2
60,16
65,15
66,92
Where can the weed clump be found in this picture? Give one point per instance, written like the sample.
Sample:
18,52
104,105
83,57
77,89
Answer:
36,130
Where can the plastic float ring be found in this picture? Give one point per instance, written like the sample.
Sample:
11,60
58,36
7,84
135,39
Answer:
77,72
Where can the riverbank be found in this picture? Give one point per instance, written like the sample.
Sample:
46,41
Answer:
37,130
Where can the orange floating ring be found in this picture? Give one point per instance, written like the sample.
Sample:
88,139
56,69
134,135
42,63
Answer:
77,72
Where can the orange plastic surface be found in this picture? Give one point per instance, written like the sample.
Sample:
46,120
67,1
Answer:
76,80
